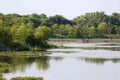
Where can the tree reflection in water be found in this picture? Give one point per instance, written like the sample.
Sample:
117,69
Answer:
42,63
21,63
98,60
104,48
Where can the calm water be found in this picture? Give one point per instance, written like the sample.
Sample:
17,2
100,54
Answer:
90,61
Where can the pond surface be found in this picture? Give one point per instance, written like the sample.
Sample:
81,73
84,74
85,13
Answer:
89,61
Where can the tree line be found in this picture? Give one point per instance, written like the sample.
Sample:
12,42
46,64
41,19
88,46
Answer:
33,30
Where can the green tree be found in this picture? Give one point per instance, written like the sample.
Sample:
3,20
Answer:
101,29
70,31
92,32
41,35
13,31
5,37
1,22
118,30
59,19
21,33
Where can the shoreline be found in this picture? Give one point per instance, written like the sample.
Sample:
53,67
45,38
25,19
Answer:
86,40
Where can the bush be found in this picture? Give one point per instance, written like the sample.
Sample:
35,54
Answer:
19,47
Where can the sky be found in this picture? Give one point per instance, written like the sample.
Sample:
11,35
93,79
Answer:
67,8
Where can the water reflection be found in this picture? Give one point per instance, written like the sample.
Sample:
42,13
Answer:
42,63
53,67
69,64
108,44
102,48
5,59
57,58
98,60
21,63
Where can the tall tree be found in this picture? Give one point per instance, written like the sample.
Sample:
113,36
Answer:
101,29
5,37
41,35
92,32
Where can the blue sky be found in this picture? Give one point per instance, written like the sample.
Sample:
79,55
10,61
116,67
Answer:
68,8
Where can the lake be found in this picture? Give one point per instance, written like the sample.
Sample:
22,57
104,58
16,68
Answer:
77,61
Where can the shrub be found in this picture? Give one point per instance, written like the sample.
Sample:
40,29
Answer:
19,47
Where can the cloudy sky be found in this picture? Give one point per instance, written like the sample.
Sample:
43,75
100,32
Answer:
68,8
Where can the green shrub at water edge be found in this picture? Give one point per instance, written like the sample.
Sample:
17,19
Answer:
4,67
27,78
19,47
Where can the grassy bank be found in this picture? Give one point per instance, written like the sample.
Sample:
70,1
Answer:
24,54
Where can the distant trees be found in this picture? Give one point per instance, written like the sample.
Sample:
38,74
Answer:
62,31
58,19
35,29
104,25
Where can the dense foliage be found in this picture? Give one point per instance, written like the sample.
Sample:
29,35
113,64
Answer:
29,31
98,24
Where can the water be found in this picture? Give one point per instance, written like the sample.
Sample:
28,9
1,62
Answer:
90,61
